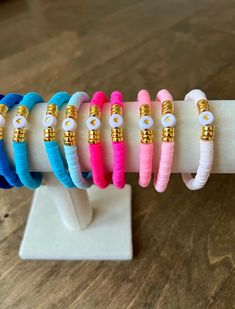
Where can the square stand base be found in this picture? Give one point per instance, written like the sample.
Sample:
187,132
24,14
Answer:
108,237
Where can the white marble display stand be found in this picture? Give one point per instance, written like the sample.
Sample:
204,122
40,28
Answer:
75,224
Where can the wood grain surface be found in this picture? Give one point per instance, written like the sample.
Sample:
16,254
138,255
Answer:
184,242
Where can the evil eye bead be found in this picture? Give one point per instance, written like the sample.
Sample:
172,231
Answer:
48,120
168,120
145,122
2,121
206,118
19,122
69,124
93,123
115,121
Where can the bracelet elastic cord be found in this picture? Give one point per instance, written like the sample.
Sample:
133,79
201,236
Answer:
51,145
30,180
206,119
146,140
6,171
81,180
118,144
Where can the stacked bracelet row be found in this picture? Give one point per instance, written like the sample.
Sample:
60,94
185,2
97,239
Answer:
69,171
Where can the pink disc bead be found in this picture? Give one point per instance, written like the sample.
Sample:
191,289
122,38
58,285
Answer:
96,153
146,150
167,152
119,149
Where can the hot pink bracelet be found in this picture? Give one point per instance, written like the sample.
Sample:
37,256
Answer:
94,140
167,146
119,147
146,140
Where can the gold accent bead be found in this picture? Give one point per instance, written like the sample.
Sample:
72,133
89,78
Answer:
3,110
116,109
49,134
207,133
22,110
117,134
93,136
168,134
167,107
71,112
203,106
1,134
146,136
52,109
69,138
145,110
19,135
94,111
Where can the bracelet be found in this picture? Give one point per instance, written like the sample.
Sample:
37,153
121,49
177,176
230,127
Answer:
71,153
49,121
206,119
167,145
146,138
94,140
10,176
30,180
118,144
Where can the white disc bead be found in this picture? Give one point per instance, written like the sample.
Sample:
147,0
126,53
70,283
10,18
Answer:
168,120
2,121
19,122
115,121
69,124
145,122
93,123
49,120
206,118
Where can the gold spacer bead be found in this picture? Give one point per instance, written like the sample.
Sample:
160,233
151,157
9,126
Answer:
116,109
203,106
22,110
19,135
167,107
94,111
69,138
1,134
146,136
168,134
145,110
3,110
93,136
71,112
49,134
207,133
52,109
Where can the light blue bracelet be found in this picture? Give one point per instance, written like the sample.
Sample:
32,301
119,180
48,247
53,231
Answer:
30,180
81,180
52,148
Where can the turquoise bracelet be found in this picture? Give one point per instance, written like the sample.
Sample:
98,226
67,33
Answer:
30,180
52,148
81,180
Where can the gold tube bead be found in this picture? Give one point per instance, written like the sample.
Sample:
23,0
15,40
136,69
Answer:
146,136
207,133
1,134
19,135
71,112
69,138
93,136
167,107
52,109
203,106
3,110
168,134
22,110
94,111
117,134
49,134
145,110
116,109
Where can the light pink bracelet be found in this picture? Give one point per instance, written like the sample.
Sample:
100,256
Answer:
146,141
206,119
94,139
167,146
119,147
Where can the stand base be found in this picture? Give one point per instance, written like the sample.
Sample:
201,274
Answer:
108,237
